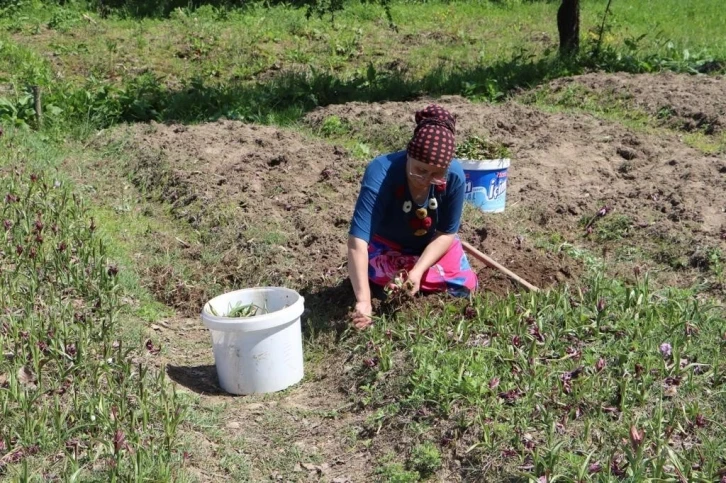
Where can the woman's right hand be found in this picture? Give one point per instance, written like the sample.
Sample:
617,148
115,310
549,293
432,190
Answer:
361,317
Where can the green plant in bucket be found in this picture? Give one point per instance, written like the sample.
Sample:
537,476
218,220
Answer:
475,147
240,311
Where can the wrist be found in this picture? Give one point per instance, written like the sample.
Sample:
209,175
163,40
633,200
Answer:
417,271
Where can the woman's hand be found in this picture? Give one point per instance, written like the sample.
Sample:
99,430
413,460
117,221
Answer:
413,281
361,317
406,282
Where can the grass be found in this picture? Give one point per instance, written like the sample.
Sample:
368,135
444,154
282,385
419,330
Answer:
70,385
556,385
622,108
551,385
270,64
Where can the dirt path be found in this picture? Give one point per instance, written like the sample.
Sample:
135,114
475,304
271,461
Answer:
307,433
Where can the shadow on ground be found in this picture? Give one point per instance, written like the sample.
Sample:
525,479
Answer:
288,95
327,308
199,379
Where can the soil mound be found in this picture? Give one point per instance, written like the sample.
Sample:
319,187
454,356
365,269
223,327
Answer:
275,206
685,102
664,199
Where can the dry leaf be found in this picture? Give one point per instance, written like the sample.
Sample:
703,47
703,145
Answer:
636,437
671,391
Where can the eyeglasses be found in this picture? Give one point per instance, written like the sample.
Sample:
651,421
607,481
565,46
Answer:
425,175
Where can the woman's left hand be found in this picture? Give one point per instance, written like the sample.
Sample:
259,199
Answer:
413,281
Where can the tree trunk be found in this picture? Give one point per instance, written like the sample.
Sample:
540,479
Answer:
568,24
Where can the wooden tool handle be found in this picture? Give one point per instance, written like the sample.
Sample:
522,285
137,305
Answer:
491,263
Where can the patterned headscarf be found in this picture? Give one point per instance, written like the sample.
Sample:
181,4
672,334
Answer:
433,140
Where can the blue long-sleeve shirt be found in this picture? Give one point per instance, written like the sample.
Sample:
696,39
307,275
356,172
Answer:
384,192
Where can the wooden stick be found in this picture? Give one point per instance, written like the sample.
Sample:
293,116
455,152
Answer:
38,108
491,263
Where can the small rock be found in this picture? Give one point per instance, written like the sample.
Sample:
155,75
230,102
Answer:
233,425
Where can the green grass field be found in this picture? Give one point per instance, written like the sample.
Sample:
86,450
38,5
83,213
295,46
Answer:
105,70
613,378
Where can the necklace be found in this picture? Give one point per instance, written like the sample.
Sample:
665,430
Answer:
420,219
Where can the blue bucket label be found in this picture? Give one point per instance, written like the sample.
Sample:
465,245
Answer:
487,190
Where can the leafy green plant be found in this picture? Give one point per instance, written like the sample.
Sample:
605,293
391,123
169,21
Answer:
478,148
425,459
334,126
397,473
612,228
63,19
19,112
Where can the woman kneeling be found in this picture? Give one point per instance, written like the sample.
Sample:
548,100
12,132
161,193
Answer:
407,216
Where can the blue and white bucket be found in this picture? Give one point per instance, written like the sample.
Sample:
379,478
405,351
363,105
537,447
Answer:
486,183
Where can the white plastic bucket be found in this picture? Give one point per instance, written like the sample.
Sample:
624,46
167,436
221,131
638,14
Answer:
258,354
486,183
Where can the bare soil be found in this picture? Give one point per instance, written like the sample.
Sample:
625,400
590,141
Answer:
276,206
684,102
669,197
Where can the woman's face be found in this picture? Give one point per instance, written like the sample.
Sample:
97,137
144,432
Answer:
421,175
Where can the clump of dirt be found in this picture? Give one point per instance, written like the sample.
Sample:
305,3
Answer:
662,196
173,290
686,102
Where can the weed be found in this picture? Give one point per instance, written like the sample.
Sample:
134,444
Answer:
475,147
425,459
334,126
240,311
613,228
394,472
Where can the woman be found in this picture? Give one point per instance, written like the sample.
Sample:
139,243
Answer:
407,217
